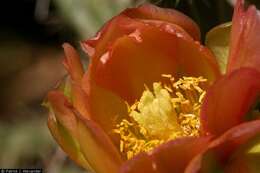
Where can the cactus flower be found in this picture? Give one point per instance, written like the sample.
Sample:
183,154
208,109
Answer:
153,98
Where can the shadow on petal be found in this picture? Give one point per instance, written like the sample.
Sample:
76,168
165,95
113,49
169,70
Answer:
224,153
171,157
130,63
229,101
97,148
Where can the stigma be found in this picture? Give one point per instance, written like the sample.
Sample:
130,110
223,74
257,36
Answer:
167,111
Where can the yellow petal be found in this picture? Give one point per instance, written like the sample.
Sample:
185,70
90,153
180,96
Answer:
217,39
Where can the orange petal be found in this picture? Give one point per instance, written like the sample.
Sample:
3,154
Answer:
63,126
229,100
111,31
152,12
116,28
97,147
221,153
84,135
171,157
59,105
104,107
74,94
80,100
123,24
144,55
245,39
139,164
67,143
72,63
94,103
175,155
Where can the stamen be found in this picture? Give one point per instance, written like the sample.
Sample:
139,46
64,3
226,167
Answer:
167,112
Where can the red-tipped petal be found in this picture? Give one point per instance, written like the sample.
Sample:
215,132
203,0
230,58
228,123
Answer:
245,40
72,63
125,23
228,101
152,12
97,147
221,154
171,157
111,31
144,55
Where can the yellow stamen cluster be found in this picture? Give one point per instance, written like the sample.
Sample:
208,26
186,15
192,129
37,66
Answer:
168,112
133,139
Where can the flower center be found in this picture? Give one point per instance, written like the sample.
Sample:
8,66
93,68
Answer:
167,112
